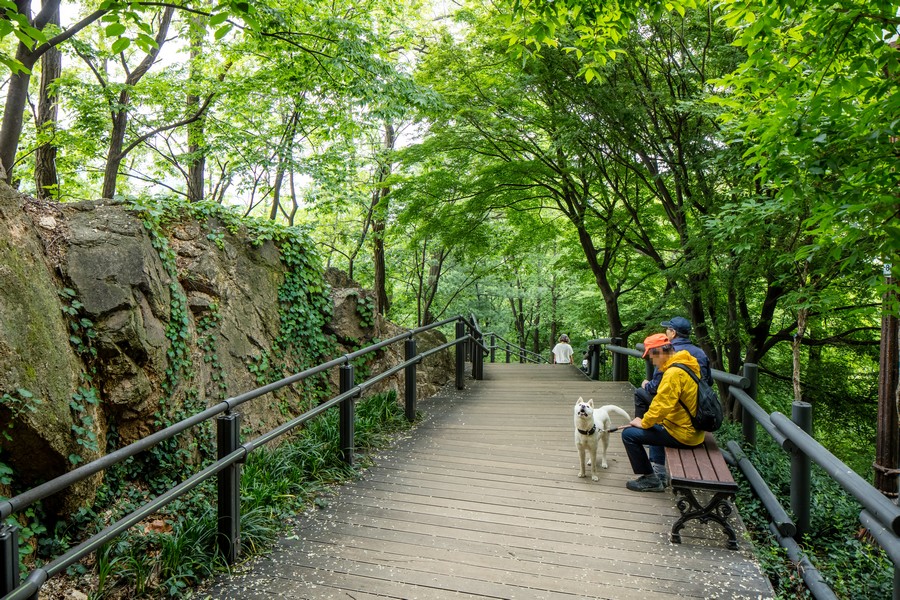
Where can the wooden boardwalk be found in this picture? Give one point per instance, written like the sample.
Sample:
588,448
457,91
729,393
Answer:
482,500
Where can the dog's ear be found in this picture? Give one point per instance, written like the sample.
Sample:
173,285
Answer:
580,400
591,403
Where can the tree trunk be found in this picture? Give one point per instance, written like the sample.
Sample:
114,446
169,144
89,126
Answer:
887,444
379,224
116,141
795,349
431,288
13,113
115,155
46,178
197,129
276,191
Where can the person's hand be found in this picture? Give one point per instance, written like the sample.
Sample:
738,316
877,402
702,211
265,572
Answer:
636,422
644,383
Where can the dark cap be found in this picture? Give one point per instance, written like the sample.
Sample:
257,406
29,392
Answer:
681,326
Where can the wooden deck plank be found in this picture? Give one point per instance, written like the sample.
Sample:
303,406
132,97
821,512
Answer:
482,500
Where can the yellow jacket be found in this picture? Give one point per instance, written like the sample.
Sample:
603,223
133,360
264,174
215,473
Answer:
665,409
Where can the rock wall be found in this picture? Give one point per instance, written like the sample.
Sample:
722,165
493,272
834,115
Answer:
86,331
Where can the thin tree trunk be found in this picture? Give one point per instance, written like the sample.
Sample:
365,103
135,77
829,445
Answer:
431,289
120,114
379,224
276,191
802,315
536,333
46,178
13,112
197,129
887,443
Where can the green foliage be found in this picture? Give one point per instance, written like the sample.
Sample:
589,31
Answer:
852,567
365,310
207,326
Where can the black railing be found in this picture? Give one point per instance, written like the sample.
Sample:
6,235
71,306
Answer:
231,453
879,515
512,350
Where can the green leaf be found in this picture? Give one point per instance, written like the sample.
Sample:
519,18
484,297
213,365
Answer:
218,18
120,45
222,31
115,30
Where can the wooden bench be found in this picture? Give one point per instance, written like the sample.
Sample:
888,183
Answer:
702,468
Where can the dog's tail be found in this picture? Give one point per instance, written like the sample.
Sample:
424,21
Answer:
612,408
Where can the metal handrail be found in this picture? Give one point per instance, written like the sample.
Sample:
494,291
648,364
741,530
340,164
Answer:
515,349
32,584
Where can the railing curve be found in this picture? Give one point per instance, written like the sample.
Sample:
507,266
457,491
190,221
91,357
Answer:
512,349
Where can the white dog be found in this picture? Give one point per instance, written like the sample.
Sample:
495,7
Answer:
592,427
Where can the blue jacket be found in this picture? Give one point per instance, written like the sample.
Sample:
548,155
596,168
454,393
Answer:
680,343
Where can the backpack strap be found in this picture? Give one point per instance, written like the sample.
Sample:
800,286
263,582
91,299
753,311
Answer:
696,379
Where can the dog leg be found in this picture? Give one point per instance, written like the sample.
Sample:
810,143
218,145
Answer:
581,457
604,444
594,474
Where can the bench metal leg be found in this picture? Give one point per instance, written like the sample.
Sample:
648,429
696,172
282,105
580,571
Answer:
717,509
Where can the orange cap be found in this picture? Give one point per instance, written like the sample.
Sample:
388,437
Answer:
657,340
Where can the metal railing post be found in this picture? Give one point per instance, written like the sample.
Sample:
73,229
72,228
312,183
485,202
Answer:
493,345
801,415
228,439
478,358
507,352
648,368
594,362
748,423
619,363
347,415
409,380
460,355
9,558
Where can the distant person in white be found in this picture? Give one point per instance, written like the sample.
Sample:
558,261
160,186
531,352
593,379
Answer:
562,352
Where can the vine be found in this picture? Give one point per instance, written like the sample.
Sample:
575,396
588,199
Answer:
85,400
206,341
365,310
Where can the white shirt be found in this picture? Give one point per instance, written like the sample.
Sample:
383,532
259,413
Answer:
562,353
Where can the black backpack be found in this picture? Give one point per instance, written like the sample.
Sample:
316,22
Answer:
709,415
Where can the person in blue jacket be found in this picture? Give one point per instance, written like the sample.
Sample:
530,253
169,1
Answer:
678,330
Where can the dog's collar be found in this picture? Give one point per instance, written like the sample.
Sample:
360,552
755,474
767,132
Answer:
591,432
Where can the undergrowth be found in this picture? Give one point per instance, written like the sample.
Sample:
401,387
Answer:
852,566
167,555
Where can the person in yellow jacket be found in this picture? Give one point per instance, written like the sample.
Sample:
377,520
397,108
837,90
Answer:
665,423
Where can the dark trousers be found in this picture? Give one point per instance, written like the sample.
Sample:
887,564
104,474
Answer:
642,400
634,439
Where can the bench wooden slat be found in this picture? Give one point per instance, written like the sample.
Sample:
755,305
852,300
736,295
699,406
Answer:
701,467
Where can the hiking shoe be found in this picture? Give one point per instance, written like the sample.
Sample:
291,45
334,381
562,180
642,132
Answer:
646,483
